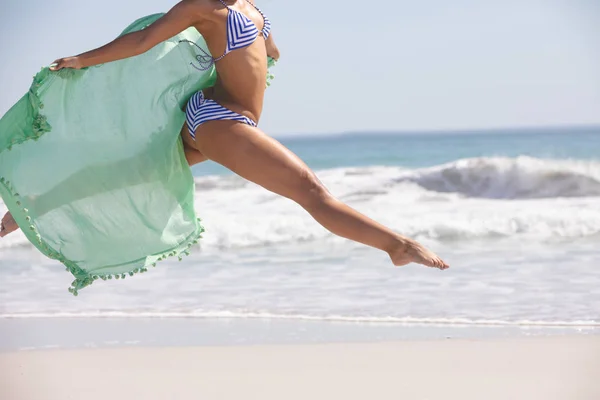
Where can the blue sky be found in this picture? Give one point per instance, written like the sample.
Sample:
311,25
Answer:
370,66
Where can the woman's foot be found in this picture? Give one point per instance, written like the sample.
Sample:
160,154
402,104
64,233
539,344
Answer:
7,225
409,251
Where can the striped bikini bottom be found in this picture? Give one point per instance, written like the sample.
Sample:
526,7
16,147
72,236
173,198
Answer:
200,110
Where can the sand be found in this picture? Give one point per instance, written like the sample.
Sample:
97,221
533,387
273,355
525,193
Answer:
565,368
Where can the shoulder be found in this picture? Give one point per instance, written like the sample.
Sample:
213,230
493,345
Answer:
202,6
197,8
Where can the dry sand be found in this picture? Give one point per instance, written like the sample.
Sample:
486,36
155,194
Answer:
565,368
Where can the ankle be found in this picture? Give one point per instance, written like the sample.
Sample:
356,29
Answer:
398,245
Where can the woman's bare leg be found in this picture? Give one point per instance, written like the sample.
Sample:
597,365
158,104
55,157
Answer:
192,155
7,225
253,155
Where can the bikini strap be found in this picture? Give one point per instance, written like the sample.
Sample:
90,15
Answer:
225,4
257,9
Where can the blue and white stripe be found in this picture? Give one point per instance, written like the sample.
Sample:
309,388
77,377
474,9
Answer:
266,30
200,110
241,31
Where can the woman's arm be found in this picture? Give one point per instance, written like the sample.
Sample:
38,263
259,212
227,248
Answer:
272,50
178,19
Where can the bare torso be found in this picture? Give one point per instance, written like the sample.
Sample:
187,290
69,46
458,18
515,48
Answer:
242,73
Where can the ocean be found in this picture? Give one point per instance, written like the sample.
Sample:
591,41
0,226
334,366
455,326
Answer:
515,213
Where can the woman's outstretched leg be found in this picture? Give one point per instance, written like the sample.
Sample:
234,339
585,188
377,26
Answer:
253,155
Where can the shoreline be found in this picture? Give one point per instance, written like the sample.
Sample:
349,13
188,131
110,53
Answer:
31,334
556,368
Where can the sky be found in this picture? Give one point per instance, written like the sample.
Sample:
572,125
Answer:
369,66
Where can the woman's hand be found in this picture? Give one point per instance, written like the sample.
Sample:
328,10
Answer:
69,62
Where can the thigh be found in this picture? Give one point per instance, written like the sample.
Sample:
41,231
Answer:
192,154
250,153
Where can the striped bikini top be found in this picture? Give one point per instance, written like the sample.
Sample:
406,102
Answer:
241,31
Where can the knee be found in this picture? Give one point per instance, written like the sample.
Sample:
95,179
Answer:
312,192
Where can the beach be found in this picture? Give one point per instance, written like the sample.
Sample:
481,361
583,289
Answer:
551,368
270,305
470,128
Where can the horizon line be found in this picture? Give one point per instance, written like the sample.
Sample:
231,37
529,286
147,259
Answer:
480,131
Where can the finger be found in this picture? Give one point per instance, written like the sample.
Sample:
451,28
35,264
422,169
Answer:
56,65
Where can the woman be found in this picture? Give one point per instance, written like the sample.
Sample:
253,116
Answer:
221,123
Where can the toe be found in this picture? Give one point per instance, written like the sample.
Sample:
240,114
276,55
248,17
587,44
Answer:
441,264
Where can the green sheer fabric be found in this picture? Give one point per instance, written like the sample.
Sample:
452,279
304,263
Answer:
92,164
